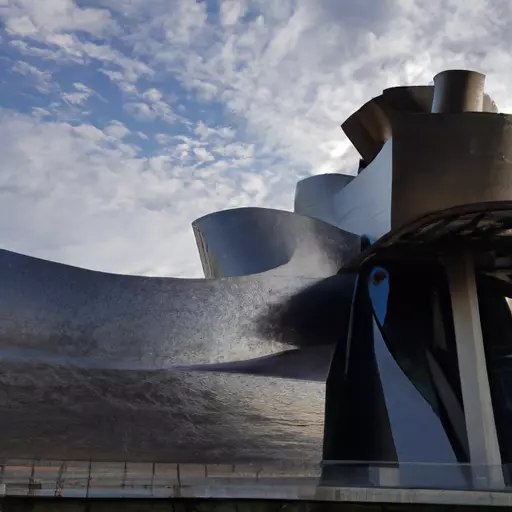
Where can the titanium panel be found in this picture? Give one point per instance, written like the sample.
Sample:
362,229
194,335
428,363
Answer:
312,192
370,127
363,206
247,241
112,367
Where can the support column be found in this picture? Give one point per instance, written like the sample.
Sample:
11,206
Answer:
484,450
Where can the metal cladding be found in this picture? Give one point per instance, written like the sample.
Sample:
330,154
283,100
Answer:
317,334
363,206
315,196
458,91
247,241
372,125
112,367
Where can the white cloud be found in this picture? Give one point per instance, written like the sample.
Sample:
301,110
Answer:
139,110
163,139
205,132
115,76
154,108
36,19
205,91
82,88
69,196
252,96
79,96
116,130
236,150
41,80
75,98
203,155
294,73
84,131
54,30
39,113
79,194
231,11
21,26
153,95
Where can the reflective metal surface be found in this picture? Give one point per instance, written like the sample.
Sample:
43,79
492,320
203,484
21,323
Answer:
370,127
246,241
112,367
412,418
314,196
292,324
363,206
458,90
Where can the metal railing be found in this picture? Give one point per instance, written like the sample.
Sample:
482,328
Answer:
82,478
332,481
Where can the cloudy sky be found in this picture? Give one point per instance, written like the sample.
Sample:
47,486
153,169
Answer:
121,121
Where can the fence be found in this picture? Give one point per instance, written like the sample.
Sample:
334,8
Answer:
334,481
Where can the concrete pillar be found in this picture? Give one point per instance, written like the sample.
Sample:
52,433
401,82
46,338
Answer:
484,450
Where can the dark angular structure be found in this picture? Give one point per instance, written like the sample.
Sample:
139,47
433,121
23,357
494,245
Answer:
366,335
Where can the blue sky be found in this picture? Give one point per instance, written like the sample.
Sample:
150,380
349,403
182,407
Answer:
121,121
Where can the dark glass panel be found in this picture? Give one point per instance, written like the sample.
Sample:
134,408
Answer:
416,323
496,318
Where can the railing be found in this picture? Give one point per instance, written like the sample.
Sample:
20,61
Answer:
23,477
333,481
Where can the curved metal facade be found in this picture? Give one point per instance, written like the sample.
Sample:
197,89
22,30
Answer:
112,367
247,241
299,318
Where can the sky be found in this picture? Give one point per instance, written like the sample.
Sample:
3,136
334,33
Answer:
122,121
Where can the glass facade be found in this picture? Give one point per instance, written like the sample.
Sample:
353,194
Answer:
412,306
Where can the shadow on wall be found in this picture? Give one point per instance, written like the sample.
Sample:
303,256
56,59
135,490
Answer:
313,316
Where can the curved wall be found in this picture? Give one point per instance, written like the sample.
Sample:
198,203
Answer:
362,207
114,367
247,241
